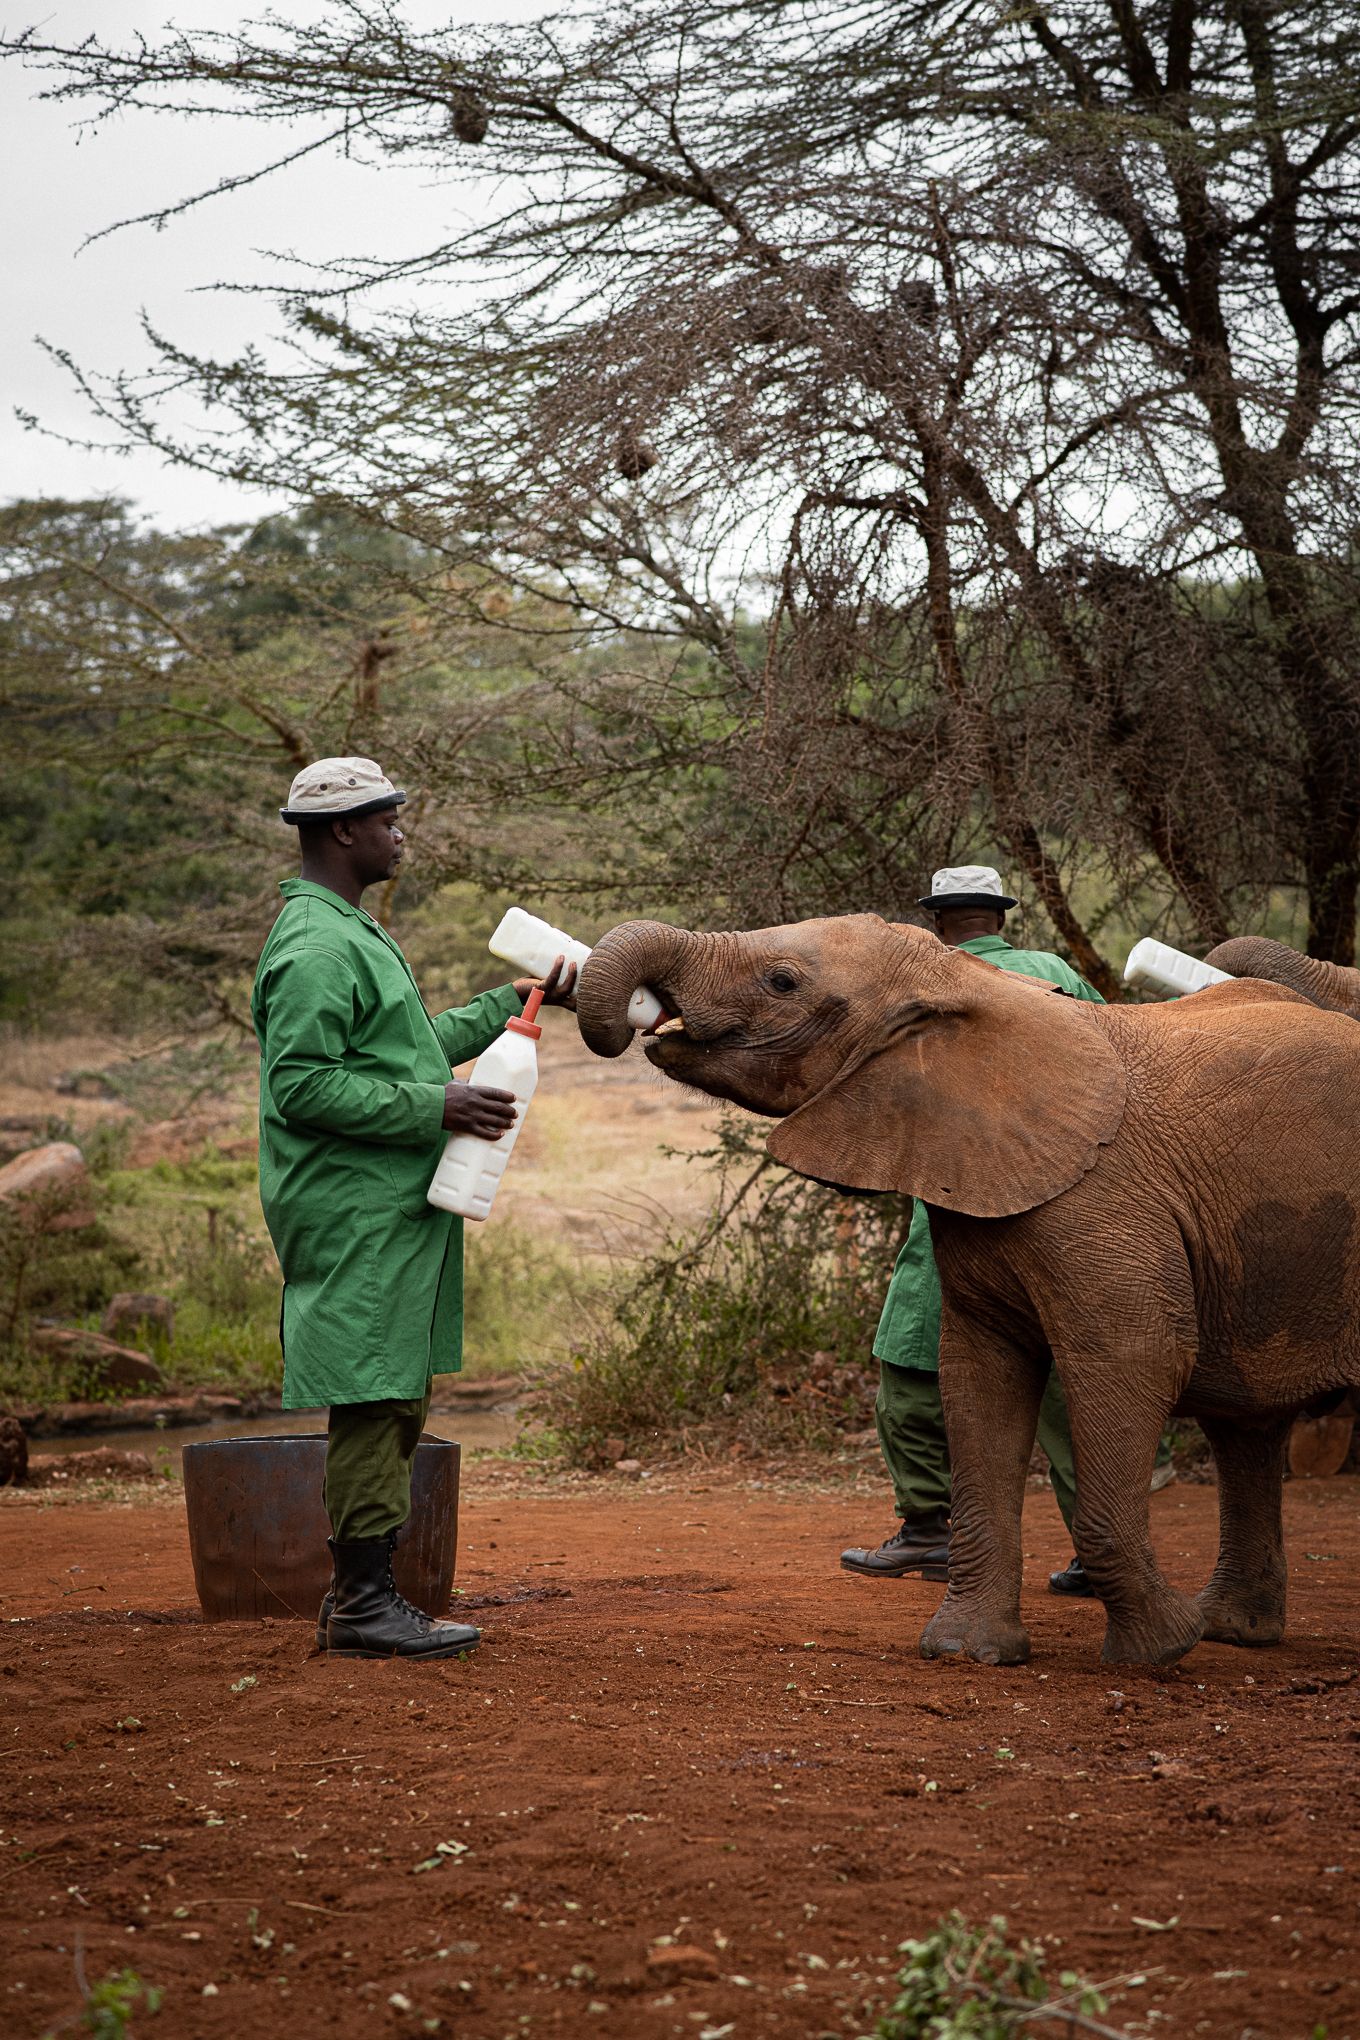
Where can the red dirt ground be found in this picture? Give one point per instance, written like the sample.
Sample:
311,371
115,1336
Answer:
684,1721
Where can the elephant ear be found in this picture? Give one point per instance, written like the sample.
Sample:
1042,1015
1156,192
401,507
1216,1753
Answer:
982,1095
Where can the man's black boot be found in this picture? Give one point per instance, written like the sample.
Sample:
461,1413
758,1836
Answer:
369,1618
327,1603
921,1547
1074,1581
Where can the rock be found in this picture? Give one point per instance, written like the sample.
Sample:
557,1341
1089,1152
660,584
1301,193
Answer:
55,1469
13,1452
57,1172
83,1084
632,1467
19,1134
1318,1446
453,1392
111,1365
130,1310
220,1406
51,1420
673,1965
60,1161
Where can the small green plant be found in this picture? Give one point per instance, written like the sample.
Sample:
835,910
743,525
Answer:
968,1983
109,2006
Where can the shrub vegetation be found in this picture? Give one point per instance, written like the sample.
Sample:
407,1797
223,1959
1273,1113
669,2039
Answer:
969,1983
761,1319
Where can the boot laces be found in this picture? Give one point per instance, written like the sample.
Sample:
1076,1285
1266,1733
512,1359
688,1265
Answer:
908,1535
417,1613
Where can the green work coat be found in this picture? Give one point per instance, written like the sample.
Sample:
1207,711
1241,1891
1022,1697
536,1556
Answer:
352,1076
909,1330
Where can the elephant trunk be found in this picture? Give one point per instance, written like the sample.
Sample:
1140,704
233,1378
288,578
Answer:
635,953
1329,985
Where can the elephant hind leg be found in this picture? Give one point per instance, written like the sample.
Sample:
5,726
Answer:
1148,1621
1244,1600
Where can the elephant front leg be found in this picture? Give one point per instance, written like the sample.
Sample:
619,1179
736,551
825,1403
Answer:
1117,1410
991,1392
1244,1600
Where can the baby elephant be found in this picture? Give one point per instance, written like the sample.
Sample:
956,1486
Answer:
1160,1200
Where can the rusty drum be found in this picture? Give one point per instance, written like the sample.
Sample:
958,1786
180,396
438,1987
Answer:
257,1530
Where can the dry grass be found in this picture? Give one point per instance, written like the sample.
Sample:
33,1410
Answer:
29,1069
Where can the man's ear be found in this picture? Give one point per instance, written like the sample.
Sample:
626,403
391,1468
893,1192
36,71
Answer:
980,1097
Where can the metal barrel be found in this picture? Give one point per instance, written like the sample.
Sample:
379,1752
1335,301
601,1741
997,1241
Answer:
257,1529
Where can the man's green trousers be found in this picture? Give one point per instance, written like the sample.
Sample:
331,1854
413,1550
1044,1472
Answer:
369,1449
911,1431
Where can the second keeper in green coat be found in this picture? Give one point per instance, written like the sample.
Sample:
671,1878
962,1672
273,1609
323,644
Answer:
356,1100
969,911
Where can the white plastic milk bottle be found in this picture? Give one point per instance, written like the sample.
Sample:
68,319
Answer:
470,1171
1165,969
531,944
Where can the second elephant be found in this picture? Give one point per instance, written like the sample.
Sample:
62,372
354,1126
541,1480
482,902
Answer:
1161,1201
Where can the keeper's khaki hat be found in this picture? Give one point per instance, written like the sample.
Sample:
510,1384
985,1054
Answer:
966,885
339,786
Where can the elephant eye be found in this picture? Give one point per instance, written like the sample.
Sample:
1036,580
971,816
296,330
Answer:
782,981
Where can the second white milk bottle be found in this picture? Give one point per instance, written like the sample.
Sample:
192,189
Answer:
470,1170
532,945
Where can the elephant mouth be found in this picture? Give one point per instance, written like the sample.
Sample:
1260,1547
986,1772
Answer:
675,1039
685,1058
667,1038
674,1034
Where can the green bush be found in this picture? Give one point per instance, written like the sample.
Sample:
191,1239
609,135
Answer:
967,1983
220,1272
760,1320
47,1270
220,1263
518,1298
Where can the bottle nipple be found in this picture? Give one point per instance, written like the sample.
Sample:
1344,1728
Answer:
523,1023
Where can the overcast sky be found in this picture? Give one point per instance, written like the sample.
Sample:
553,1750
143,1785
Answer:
62,183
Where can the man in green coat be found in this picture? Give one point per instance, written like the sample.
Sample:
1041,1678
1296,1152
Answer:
356,1100
969,911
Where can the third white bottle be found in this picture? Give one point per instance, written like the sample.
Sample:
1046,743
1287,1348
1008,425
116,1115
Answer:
470,1171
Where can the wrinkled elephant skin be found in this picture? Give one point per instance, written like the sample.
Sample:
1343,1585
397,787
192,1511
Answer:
1160,1200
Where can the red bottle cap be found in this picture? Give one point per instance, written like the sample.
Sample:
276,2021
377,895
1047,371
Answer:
523,1023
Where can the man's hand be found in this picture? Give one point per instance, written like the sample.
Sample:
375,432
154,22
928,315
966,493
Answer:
559,986
475,1108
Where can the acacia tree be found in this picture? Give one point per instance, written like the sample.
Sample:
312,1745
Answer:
157,694
1010,354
